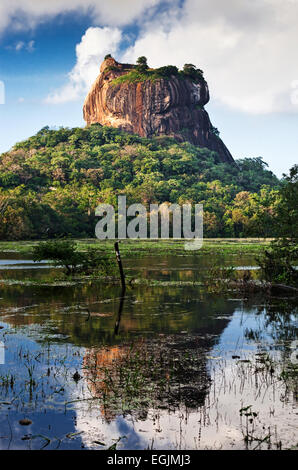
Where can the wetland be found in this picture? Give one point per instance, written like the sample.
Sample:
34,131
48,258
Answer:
169,365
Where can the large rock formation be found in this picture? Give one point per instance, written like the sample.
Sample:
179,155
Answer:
171,106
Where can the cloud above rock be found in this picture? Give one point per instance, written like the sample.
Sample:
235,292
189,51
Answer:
24,14
94,45
246,48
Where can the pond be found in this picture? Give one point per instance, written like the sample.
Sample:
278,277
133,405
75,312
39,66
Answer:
168,366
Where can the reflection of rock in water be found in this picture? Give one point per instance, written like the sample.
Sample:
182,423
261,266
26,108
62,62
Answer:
96,364
162,373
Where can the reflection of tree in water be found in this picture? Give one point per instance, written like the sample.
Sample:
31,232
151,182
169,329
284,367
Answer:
277,321
278,325
130,374
162,373
64,311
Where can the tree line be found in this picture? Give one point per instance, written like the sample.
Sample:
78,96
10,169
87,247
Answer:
51,183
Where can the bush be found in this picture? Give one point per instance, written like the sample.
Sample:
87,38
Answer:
190,71
167,71
64,253
277,262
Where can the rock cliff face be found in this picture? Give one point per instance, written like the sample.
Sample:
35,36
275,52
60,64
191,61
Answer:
171,106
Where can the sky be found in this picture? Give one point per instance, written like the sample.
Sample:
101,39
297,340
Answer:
51,51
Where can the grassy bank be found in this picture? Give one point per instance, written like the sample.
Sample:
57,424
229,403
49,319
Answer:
232,246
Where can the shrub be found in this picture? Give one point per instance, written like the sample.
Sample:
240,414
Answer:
190,70
64,253
167,71
277,262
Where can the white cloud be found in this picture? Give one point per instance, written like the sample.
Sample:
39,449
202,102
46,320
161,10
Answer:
94,45
19,45
29,46
24,14
247,49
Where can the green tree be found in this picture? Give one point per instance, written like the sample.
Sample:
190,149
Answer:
191,71
142,65
55,179
278,263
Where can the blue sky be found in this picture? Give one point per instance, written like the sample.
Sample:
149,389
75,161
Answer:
50,53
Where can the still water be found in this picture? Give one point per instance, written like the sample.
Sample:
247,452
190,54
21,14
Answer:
167,367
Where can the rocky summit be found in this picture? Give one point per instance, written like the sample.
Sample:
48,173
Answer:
154,102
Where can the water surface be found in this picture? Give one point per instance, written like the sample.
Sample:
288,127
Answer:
166,367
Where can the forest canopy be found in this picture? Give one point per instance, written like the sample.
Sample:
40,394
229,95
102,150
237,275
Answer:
51,183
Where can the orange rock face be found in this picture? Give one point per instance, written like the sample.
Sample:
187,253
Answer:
166,106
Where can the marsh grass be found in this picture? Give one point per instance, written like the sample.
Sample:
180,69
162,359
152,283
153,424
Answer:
265,375
139,248
147,375
165,373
